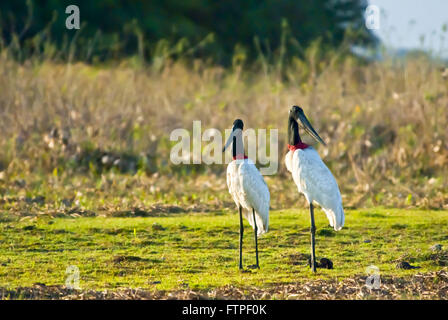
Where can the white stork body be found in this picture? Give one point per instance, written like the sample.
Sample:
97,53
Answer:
315,181
249,190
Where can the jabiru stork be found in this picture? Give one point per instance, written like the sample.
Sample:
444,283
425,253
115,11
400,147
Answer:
312,177
248,189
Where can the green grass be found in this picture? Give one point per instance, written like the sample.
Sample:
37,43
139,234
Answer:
200,250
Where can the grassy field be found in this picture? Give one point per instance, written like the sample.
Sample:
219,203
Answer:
199,251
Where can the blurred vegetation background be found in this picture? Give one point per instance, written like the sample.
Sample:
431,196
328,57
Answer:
213,30
85,115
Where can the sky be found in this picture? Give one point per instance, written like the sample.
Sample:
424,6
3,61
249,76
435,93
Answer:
404,22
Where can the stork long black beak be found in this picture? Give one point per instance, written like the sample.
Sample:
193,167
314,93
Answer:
309,128
229,140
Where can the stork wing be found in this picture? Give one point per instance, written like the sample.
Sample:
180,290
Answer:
233,181
256,195
316,182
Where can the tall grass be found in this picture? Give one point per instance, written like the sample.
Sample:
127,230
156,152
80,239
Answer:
385,123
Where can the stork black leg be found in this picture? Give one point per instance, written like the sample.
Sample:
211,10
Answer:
241,237
313,232
256,241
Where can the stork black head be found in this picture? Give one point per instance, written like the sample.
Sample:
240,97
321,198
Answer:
238,124
236,138
297,117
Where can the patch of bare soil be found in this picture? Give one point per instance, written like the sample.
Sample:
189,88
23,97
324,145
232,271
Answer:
432,285
156,210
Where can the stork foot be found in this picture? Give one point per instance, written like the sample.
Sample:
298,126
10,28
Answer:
323,264
253,266
405,265
245,271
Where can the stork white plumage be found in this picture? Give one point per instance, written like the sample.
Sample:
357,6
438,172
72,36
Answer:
312,177
248,189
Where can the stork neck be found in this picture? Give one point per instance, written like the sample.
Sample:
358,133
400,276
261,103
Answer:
238,147
294,141
293,132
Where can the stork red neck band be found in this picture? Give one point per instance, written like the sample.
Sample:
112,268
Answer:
299,145
240,157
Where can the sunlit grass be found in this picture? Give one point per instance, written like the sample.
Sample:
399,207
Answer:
200,250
